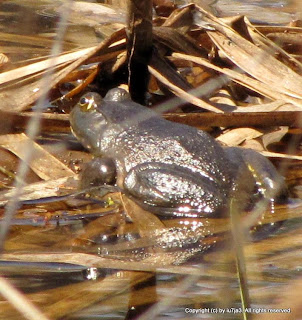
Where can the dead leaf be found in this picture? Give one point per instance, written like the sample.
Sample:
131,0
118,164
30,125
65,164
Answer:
30,69
223,97
44,164
240,78
274,136
44,189
252,144
249,58
235,137
3,59
16,99
183,94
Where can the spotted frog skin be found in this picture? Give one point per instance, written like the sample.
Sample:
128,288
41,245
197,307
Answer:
167,168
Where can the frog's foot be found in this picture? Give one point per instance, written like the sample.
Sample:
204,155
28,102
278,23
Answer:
171,189
97,172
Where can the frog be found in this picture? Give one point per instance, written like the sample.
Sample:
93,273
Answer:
167,168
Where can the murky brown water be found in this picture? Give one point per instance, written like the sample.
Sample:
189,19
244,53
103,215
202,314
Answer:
68,287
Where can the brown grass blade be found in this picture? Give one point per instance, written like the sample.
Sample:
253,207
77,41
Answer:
272,46
45,165
17,99
30,69
249,58
281,155
273,73
49,188
242,79
49,122
181,93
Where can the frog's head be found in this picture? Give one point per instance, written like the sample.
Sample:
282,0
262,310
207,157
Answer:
87,122
96,121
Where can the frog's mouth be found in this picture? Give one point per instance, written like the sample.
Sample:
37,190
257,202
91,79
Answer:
87,127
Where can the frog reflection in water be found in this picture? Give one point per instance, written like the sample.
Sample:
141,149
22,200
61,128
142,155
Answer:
167,168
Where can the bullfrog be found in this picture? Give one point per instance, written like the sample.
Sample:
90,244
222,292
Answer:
167,168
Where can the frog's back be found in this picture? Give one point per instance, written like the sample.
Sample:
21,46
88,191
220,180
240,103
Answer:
157,140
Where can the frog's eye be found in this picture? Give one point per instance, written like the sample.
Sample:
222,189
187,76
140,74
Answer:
86,104
83,101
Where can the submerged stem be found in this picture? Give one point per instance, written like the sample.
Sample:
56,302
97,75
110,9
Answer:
238,242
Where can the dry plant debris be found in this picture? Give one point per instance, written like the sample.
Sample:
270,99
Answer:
245,82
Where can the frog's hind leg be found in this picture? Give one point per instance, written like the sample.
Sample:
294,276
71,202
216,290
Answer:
269,188
168,188
270,183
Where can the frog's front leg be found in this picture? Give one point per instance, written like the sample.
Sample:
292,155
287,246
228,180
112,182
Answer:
97,172
171,189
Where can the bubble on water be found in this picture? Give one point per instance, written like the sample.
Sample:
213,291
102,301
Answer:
91,274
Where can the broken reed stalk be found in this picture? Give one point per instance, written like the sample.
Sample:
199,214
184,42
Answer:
139,47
